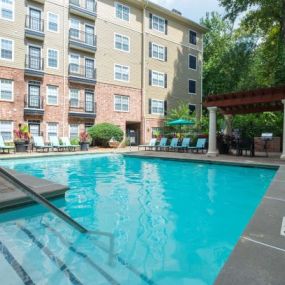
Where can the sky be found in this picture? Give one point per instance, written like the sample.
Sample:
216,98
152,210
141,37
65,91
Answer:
192,9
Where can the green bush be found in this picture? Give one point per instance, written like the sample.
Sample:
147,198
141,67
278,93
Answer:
74,141
103,133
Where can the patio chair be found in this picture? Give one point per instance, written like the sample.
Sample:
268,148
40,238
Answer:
185,145
172,146
200,145
55,144
40,145
162,144
4,147
151,144
68,145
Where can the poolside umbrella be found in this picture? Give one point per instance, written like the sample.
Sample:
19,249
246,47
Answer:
181,122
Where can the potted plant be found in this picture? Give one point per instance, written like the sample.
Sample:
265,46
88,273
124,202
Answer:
21,138
84,141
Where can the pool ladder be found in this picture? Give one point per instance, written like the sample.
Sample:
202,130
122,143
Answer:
59,213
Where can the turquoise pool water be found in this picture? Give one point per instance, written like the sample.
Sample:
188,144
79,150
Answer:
173,222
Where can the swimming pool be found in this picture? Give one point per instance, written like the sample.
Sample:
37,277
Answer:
173,222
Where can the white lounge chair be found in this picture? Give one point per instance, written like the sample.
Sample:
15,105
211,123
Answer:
4,147
40,145
68,145
55,143
151,144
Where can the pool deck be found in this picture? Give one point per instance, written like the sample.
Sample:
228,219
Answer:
11,197
259,256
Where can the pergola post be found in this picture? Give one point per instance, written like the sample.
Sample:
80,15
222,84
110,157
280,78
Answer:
212,149
228,128
283,153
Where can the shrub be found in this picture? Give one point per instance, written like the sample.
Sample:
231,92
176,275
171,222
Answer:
103,133
74,141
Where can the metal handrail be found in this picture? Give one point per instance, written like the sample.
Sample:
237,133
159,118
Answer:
34,24
82,71
84,106
34,62
40,104
83,37
59,213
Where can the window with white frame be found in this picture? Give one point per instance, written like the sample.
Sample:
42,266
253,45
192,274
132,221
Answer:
192,37
157,79
122,42
122,12
6,89
121,103
192,62
53,20
73,131
53,58
7,10
6,130
192,86
74,60
157,107
7,47
158,23
52,95
74,97
122,72
52,129
158,51
74,28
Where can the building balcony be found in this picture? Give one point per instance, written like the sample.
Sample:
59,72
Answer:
34,66
83,8
34,105
82,109
34,28
40,1
82,41
81,74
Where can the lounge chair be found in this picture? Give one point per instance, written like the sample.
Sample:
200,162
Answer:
151,144
172,146
184,146
40,145
4,147
200,145
55,144
162,144
68,145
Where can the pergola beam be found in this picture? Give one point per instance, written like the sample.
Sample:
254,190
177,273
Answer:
251,109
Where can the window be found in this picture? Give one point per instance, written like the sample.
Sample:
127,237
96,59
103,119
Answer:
74,60
52,95
192,37
74,98
192,62
52,58
122,72
34,128
157,107
192,109
122,12
122,42
158,24
7,10
192,86
89,101
52,129
158,52
74,28
122,103
6,130
6,89
157,79
73,131
7,47
53,22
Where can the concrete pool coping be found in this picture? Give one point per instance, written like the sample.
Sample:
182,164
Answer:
259,256
11,197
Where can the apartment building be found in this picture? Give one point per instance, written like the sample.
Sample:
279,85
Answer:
67,64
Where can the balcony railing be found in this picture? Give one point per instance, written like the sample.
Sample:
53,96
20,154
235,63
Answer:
82,37
82,106
87,5
34,105
34,62
34,24
81,71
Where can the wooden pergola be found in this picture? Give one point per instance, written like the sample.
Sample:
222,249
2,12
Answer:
245,102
